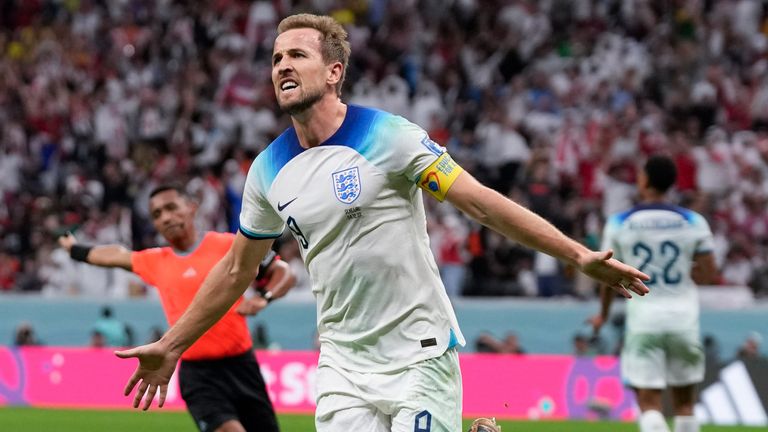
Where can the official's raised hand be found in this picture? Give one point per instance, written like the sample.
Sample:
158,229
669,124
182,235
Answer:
66,241
156,366
251,306
613,273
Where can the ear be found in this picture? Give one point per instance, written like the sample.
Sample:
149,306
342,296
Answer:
193,205
335,72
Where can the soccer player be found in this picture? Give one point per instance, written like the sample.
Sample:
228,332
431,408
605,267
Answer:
662,346
347,181
219,377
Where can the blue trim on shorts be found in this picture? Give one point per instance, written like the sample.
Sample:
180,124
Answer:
452,340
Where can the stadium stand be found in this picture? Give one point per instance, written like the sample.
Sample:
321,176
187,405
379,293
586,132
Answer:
552,102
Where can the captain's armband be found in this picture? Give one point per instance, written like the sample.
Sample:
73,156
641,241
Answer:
438,178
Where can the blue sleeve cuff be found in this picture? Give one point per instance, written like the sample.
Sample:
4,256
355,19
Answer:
258,236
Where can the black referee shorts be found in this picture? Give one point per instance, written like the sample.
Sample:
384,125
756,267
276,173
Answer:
230,388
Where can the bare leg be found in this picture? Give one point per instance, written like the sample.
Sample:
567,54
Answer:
649,399
683,401
651,418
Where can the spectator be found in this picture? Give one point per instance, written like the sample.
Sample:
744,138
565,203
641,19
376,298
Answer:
155,333
711,350
758,282
109,331
750,349
153,94
580,345
586,344
451,255
737,268
25,335
97,339
261,339
509,345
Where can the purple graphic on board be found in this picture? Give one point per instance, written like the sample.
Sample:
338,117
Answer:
594,390
12,377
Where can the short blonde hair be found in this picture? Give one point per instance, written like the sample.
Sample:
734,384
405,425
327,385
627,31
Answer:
334,45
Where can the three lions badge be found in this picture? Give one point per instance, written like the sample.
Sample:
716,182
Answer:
346,185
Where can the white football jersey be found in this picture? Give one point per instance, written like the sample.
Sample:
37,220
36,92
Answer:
661,240
354,205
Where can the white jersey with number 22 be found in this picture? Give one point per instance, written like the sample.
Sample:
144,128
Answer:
662,241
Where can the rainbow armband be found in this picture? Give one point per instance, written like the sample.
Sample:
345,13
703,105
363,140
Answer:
439,176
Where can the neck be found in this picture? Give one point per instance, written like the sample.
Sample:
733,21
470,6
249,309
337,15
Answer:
653,197
184,244
320,121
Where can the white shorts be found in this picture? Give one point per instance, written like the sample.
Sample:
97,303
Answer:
423,397
660,360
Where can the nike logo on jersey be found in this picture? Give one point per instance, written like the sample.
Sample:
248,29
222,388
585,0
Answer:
281,207
189,273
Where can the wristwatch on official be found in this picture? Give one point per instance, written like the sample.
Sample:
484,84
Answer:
268,296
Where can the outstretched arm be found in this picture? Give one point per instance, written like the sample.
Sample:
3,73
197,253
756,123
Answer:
103,256
222,287
503,215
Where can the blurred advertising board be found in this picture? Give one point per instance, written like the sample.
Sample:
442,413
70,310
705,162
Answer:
504,386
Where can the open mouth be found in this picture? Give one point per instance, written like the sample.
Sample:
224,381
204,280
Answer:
288,86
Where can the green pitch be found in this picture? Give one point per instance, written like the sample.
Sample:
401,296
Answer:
59,420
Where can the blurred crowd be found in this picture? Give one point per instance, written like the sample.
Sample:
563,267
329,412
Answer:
551,102
586,343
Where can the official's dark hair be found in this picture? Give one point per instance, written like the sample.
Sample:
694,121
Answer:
169,186
661,172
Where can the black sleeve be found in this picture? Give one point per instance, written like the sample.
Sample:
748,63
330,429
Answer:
265,263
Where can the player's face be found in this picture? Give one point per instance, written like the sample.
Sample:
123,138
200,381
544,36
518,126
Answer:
299,74
172,215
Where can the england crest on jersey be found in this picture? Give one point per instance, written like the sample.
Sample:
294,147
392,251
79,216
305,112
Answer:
346,185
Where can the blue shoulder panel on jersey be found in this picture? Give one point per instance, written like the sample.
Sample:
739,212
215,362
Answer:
354,132
275,156
695,218
618,218
687,214
358,130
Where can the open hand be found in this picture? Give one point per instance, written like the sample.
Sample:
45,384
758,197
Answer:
67,241
156,366
613,273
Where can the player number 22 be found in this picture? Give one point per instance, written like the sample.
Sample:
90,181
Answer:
669,253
